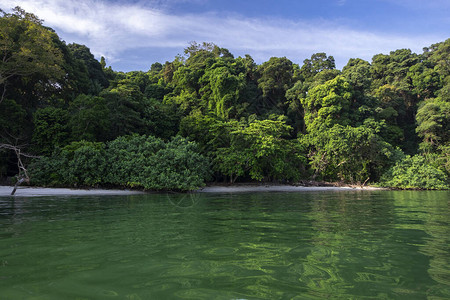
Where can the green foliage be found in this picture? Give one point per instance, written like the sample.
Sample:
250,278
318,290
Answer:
177,166
357,72
425,79
415,172
89,118
185,101
87,166
225,88
440,158
393,68
156,91
327,104
98,80
78,164
209,132
395,71
12,118
389,97
433,118
187,78
127,157
27,48
129,161
242,116
76,80
438,54
259,150
295,111
322,77
350,154
276,78
45,170
130,112
50,129
318,62
161,120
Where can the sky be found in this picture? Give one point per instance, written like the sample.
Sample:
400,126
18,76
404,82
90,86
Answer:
134,34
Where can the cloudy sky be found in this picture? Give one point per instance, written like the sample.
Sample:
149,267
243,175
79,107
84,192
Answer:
133,34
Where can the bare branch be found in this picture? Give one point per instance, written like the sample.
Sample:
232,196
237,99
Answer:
18,150
23,173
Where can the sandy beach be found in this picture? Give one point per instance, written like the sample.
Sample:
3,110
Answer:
25,191
278,188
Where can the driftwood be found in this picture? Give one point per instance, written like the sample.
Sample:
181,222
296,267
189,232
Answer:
19,182
23,174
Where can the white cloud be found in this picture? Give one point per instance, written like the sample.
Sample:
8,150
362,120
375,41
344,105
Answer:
421,4
109,29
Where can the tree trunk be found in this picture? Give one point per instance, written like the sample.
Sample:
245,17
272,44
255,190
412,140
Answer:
23,174
17,184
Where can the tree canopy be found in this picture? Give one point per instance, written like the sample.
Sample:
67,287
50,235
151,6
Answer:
208,115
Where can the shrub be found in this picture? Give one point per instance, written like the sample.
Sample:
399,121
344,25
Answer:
77,164
415,172
178,166
134,161
127,158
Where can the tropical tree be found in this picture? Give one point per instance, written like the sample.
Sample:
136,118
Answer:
89,118
433,118
276,77
97,77
27,48
222,89
415,172
50,129
262,151
349,154
327,104
316,64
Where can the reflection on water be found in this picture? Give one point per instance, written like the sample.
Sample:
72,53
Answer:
374,245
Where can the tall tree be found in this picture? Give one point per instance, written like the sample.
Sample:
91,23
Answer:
276,77
89,118
433,118
261,151
26,48
318,63
327,104
222,87
95,70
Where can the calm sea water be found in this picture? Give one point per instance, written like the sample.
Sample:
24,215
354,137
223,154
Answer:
359,245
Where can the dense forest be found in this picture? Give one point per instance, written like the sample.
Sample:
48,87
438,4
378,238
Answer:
66,119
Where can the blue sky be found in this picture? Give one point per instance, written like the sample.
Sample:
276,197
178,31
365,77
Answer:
133,34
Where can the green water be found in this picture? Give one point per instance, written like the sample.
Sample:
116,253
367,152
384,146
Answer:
349,245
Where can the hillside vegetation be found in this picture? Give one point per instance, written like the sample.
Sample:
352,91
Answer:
210,116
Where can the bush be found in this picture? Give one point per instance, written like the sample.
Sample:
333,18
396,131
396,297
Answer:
415,172
349,154
87,166
78,164
129,161
178,166
50,129
260,151
45,171
127,158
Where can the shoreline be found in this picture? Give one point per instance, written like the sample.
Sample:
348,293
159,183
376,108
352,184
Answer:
281,188
26,191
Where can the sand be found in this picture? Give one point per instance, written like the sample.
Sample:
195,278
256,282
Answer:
278,188
25,191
